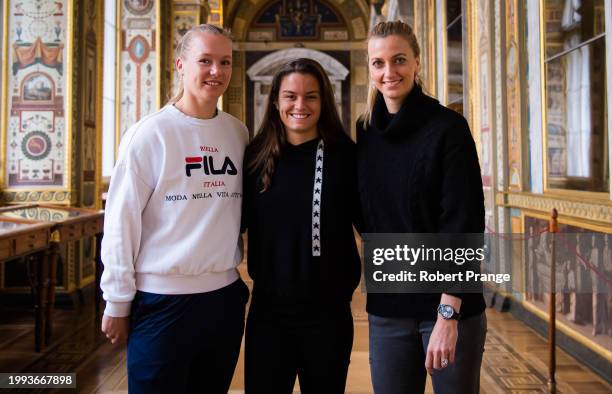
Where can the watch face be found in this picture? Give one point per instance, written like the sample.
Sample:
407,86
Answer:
446,311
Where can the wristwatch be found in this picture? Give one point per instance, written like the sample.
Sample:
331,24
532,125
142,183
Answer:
448,312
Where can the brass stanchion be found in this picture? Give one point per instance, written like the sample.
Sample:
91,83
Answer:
552,313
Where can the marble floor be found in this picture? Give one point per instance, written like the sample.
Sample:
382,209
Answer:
515,359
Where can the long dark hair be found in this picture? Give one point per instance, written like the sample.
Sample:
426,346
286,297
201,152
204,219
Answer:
271,136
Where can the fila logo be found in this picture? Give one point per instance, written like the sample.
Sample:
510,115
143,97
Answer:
208,166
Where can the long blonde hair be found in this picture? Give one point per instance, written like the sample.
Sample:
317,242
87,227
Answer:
184,44
381,30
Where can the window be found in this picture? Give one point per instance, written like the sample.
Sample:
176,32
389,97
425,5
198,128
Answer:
109,100
576,129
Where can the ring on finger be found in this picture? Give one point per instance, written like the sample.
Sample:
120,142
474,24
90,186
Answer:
444,362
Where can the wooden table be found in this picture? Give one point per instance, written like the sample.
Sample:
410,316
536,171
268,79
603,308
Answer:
12,207
31,241
68,224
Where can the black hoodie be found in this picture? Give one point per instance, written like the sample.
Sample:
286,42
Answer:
418,172
279,220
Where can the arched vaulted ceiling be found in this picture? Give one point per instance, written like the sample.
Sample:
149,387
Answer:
240,14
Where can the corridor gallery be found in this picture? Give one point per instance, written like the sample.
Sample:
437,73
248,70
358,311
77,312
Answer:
531,78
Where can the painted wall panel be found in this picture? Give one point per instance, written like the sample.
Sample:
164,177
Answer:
36,84
138,62
484,93
513,94
500,130
484,102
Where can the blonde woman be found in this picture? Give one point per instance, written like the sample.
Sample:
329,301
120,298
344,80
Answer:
171,233
418,172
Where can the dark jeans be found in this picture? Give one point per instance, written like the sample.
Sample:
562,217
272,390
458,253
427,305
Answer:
397,356
186,343
282,343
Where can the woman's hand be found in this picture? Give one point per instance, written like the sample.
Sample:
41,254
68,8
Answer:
442,343
116,328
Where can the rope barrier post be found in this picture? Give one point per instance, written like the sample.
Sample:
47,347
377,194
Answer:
552,321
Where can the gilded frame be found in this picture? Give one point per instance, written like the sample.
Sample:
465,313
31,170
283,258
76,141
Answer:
68,110
99,104
69,95
99,31
582,195
587,211
4,108
513,88
562,327
441,52
470,69
431,44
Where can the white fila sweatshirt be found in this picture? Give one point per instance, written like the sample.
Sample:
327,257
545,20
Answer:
172,221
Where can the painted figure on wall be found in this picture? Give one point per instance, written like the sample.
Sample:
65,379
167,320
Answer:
583,276
533,291
607,263
600,308
584,298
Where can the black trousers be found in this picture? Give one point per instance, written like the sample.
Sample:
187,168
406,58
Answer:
186,343
285,342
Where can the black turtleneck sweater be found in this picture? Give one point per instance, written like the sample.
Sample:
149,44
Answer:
418,172
279,223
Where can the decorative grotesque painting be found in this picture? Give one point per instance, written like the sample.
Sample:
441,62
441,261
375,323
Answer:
36,135
138,85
